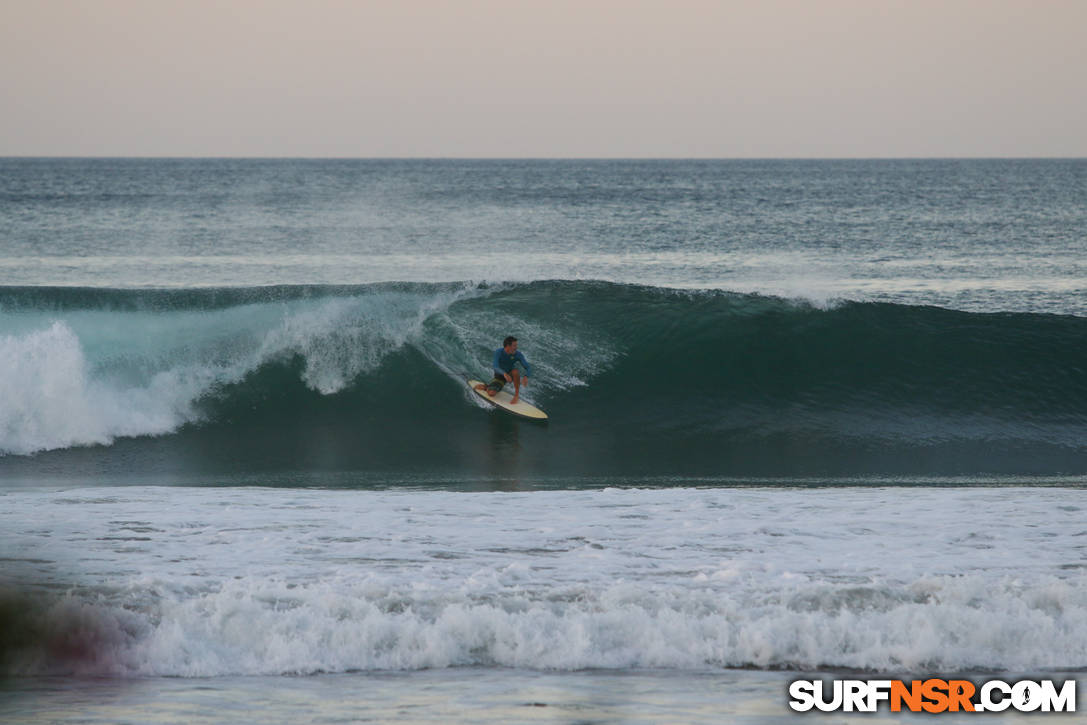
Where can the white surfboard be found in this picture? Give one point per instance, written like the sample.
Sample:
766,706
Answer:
502,400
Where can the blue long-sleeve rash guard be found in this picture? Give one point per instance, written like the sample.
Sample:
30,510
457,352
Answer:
504,362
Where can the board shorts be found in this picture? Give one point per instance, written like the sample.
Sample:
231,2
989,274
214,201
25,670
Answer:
497,383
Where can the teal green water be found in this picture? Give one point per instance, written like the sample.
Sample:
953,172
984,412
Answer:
639,382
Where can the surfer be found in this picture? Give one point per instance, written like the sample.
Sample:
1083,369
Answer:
505,359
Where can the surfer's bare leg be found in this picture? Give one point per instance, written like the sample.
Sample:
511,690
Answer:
490,391
516,385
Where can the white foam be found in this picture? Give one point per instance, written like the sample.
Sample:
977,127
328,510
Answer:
45,397
91,377
199,582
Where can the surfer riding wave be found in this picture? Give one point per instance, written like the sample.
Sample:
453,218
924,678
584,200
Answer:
505,370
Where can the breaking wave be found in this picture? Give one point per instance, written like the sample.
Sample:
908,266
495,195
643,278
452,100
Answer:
702,381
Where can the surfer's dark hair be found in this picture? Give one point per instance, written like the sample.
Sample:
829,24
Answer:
509,341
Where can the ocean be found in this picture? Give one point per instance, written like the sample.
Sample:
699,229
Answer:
808,419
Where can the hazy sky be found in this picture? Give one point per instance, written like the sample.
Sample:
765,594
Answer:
485,78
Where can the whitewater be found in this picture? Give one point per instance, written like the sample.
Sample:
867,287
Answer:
218,582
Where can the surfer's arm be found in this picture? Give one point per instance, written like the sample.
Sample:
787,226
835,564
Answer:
528,368
494,364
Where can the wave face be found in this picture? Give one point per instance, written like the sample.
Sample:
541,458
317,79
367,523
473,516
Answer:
636,379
